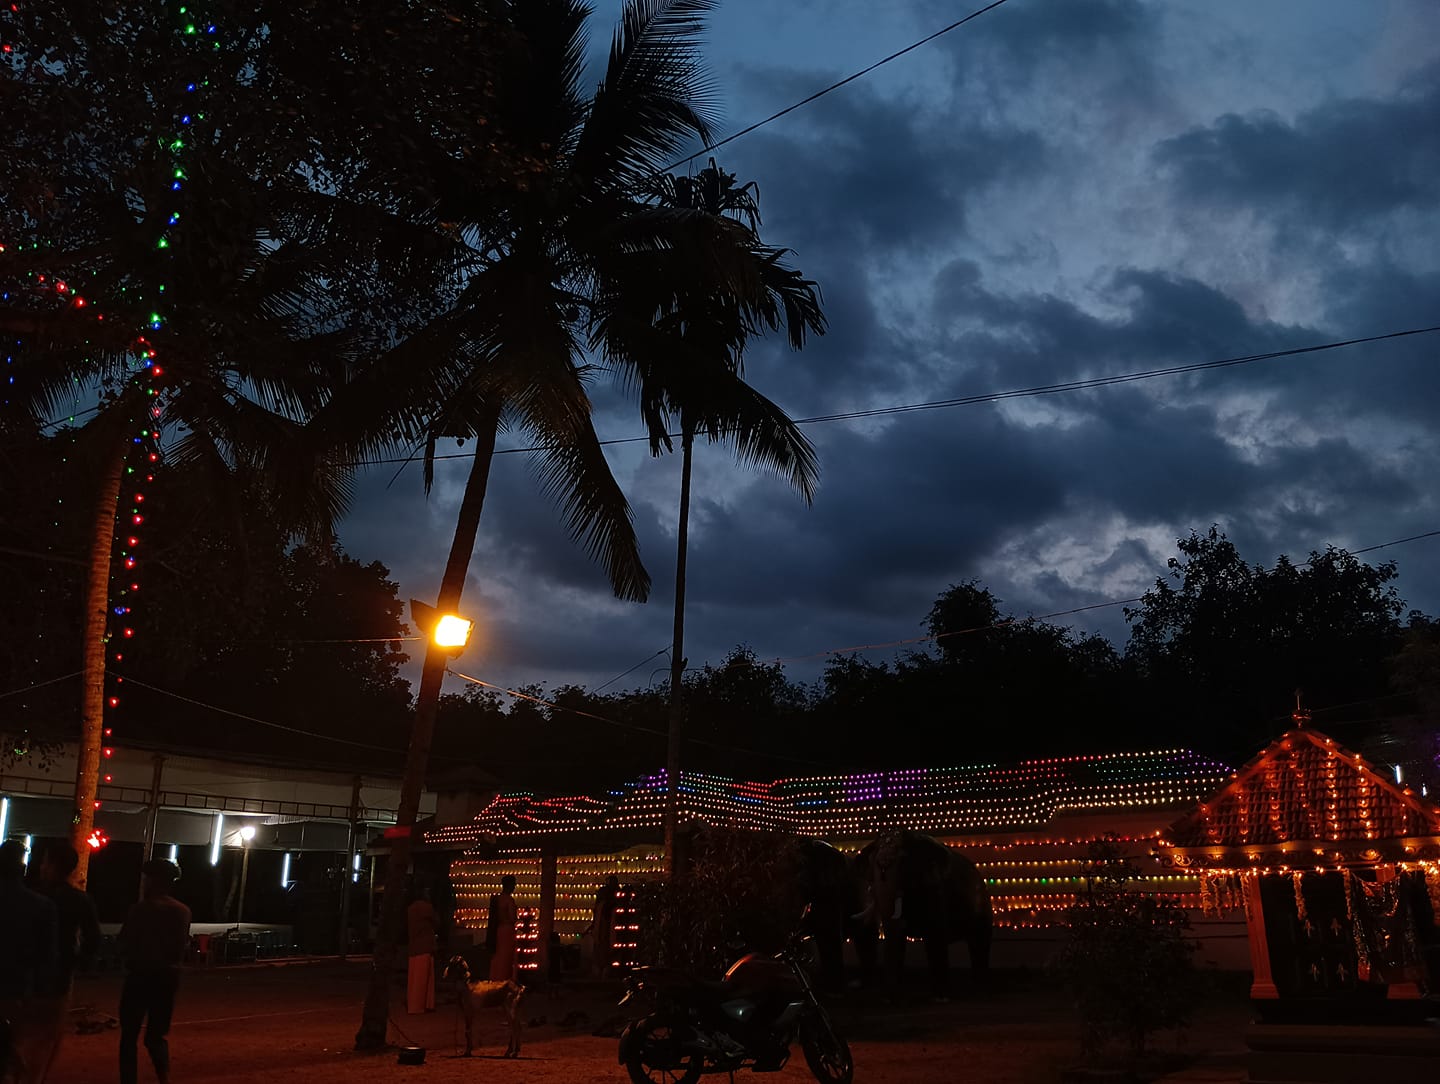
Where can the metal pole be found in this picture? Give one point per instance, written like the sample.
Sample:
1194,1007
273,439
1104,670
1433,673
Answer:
244,876
152,817
345,867
370,912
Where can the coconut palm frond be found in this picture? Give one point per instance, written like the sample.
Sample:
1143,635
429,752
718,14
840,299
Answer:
574,473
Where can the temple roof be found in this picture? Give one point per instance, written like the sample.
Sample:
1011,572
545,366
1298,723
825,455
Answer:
1304,793
984,798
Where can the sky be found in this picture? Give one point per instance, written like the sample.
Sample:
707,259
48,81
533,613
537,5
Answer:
1058,190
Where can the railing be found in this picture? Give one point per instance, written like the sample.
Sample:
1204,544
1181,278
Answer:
189,800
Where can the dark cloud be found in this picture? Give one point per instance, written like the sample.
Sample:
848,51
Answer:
1336,166
1013,206
886,175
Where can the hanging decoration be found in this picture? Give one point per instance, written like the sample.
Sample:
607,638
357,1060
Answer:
147,380
142,386
1297,879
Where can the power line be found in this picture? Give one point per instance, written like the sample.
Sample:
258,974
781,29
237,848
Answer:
632,726
264,722
834,86
991,397
41,684
632,669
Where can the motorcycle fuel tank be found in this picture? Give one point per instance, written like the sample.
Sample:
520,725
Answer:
757,973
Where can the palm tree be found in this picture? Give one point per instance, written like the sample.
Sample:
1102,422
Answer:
292,256
684,354
554,255
235,398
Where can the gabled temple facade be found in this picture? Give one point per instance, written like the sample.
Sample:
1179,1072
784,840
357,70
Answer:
1336,869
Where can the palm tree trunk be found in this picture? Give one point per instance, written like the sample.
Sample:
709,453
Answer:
373,1023
677,656
92,703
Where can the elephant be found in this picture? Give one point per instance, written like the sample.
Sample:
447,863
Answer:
828,885
917,887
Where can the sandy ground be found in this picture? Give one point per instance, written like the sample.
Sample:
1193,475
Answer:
297,1023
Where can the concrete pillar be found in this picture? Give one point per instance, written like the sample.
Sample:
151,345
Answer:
1263,985
346,880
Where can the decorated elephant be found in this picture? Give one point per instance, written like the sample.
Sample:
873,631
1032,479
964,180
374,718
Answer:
917,887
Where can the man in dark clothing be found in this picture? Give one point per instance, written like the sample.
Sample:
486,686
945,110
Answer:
152,943
28,956
79,936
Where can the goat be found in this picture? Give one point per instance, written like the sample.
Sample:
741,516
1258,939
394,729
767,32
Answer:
485,993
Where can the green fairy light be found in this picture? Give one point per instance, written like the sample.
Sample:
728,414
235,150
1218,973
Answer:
162,243
190,28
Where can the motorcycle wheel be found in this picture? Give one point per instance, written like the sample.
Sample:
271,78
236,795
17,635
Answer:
826,1052
658,1032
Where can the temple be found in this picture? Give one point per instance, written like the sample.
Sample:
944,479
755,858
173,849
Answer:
1336,869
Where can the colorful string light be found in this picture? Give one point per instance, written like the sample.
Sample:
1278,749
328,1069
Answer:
143,451
983,798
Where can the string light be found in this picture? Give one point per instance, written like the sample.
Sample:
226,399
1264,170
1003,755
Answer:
983,798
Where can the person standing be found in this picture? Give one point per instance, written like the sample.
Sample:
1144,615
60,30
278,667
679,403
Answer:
152,944
420,976
29,954
79,940
504,914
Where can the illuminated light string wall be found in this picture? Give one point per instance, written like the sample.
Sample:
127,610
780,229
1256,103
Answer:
144,381
983,799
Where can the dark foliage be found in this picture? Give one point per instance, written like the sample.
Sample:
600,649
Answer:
736,893
1126,958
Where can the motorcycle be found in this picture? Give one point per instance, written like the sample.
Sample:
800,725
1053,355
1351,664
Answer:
749,1019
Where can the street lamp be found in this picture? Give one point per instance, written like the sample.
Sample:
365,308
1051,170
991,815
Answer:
449,632
246,835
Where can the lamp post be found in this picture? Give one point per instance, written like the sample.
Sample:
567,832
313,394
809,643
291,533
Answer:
246,835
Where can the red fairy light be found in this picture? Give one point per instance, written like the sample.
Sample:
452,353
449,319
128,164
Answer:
137,519
114,701
79,302
127,633
60,287
108,752
109,779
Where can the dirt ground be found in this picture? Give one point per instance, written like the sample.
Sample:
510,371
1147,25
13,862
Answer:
297,1023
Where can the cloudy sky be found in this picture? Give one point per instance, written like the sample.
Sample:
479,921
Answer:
1060,189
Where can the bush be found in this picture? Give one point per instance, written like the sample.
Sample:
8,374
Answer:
737,891
1127,960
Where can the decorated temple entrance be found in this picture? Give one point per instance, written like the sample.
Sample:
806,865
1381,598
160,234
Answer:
1337,871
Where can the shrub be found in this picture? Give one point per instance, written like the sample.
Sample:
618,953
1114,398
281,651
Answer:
738,891
1127,960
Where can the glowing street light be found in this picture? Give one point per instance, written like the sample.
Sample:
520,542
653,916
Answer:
449,632
452,631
